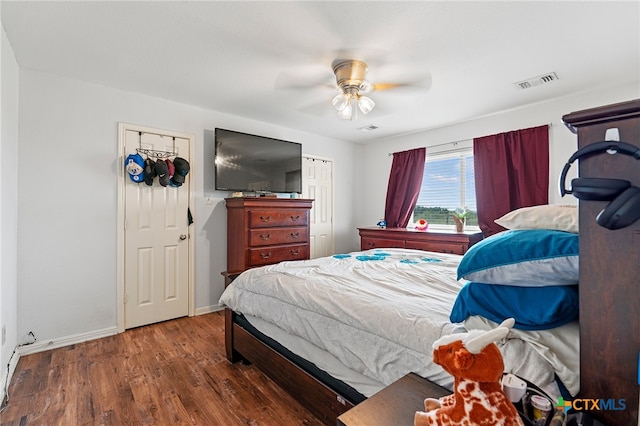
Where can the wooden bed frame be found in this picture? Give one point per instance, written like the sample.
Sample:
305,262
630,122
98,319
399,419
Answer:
609,270
608,353
317,397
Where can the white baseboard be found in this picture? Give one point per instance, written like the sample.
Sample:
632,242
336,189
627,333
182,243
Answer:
66,341
209,309
6,376
60,342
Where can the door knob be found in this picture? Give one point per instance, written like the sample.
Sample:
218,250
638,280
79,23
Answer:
183,237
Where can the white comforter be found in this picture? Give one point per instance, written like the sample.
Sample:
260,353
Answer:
377,311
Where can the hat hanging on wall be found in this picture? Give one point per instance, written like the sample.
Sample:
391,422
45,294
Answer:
162,170
170,167
134,165
181,170
149,171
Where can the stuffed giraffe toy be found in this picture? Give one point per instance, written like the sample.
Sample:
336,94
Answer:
475,362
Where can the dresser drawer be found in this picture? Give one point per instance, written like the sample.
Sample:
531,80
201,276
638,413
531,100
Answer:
371,243
272,236
268,255
271,218
454,248
435,241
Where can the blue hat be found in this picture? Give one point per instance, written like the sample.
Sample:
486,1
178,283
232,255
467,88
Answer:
134,165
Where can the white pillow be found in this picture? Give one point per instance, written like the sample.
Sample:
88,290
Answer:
548,216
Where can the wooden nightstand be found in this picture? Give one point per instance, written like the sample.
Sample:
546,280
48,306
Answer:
394,405
437,241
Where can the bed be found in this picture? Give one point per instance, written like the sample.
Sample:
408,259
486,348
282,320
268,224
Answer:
335,330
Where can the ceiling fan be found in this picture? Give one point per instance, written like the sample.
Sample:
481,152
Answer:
351,79
352,85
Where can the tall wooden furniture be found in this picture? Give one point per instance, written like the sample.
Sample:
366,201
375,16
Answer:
266,230
609,271
438,241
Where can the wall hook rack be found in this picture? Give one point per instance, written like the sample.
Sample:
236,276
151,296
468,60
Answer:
154,152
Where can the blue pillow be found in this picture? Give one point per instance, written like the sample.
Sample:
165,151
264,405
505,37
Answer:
524,257
533,308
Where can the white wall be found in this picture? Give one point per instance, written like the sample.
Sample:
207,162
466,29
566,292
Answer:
67,186
8,203
376,163
67,205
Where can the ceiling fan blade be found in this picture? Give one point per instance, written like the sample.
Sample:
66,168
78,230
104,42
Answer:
319,109
366,54
385,86
423,85
305,77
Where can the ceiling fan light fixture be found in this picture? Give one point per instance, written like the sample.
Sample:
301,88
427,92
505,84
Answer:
365,104
345,113
350,78
340,101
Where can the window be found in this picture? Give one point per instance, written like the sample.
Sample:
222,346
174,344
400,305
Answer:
448,183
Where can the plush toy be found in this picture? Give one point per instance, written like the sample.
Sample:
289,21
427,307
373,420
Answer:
421,225
475,362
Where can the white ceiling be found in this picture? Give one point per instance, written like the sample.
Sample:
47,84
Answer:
238,56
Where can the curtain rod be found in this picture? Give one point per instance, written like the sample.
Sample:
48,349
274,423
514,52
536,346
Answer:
454,143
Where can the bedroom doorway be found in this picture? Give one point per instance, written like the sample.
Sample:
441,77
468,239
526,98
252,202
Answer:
155,251
317,184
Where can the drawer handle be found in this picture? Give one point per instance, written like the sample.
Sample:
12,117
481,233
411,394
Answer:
371,245
264,237
265,255
265,218
295,235
295,251
295,218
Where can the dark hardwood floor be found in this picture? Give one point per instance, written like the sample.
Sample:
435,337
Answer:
171,373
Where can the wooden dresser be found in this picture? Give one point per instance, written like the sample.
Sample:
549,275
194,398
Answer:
609,271
264,230
437,241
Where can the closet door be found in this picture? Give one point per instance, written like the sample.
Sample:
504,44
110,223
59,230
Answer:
317,184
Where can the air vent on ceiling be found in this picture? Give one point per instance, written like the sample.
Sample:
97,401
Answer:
536,81
369,128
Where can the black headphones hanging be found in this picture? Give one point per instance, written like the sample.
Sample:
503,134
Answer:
624,208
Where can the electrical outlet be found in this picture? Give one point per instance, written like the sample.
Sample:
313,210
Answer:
4,334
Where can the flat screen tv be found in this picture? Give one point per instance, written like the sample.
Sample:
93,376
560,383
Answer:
251,163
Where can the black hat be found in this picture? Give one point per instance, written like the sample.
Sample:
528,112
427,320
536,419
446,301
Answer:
162,170
181,170
149,171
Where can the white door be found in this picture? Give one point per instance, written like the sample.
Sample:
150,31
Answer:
317,184
156,258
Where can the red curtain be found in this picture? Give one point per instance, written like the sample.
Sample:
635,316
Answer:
405,180
511,171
